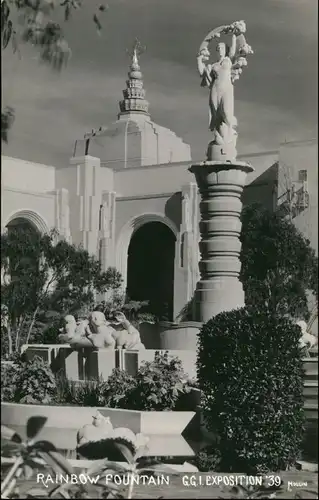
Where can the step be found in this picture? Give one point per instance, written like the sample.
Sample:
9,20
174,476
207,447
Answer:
310,366
311,411
310,389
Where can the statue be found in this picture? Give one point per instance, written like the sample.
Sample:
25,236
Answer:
135,52
125,334
220,77
99,331
100,428
100,438
307,340
95,332
68,329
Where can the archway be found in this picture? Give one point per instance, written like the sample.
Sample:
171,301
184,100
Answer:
150,268
21,224
23,231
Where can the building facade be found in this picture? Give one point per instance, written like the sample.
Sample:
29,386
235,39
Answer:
127,196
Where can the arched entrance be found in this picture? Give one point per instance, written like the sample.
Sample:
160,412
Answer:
150,268
21,224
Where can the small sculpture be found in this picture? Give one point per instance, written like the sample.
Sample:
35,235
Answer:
125,334
100,428
99,331
68,329
307,340
81,326
219,77
95,332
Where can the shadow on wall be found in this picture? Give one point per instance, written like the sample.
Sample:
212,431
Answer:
173,209
263,190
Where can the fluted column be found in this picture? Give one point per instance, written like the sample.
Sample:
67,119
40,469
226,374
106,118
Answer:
220,186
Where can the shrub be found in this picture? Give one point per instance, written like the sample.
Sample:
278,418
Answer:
70,392
207,460
36,382
159,384
9,377
250,372
117,390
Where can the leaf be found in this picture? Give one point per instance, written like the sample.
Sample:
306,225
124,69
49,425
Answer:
10,435
37,493
35,425
7,35
45,446
27,471
125,451
97,22
67,12
97,467
57,462
159,469
5,12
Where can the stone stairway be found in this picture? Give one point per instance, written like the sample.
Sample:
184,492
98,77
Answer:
311,403
311,385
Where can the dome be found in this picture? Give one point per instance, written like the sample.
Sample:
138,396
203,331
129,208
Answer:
134,140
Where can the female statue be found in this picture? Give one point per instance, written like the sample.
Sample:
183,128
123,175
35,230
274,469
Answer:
219,77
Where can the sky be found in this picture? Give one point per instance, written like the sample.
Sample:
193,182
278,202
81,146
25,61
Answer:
275,97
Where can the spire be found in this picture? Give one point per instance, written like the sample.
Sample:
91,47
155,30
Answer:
134,95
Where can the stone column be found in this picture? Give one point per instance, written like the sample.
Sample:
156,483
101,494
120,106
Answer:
85,190
220,185
107,229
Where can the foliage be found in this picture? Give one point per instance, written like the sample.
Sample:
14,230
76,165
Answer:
42,274
117,390
9,377
279,267
207,459
159,384
187,311
132,309
31,382
30,456
36,383
37,29
113,393
259,491
7,119
70,392
253,396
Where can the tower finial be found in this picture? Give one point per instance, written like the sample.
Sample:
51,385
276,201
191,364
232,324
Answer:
134,94
135,52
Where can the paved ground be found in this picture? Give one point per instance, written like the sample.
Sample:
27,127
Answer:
303,482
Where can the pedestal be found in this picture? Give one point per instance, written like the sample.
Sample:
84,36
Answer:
220,185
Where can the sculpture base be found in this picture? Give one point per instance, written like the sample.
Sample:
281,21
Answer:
217,295
222,153
221,185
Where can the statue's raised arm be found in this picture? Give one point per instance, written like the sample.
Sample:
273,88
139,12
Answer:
219,77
